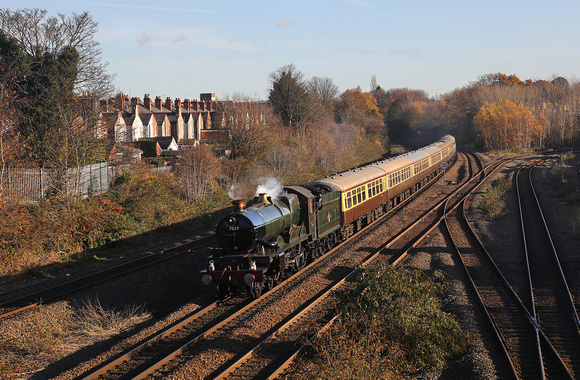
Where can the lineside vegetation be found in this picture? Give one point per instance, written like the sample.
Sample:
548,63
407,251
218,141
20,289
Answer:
493,201
394,329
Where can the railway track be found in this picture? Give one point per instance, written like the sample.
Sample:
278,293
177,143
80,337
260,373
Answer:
518,340
252,353
526,351
202,345
268,361
552,307
19,304
273,355
271,300
398,250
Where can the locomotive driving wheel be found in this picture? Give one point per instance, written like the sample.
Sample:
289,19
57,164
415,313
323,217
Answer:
299,262
299,258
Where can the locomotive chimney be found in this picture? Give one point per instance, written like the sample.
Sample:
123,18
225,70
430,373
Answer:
239,205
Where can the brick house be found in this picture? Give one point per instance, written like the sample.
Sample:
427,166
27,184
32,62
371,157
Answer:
128,120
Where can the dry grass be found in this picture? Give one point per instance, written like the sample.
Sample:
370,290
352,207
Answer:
94,319
48,333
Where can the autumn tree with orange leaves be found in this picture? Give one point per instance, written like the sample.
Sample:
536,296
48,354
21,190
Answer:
507,125
361,109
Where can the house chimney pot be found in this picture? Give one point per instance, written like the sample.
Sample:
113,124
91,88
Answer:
147,102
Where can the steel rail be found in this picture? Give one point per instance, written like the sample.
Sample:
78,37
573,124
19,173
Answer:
553,352
500,337
243,359
278,371
177,352
380,251
107,367
555,252
443,202
522,226
168,358
55,292
540,336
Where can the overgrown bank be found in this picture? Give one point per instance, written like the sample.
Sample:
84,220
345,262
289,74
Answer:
153,206
392,330
64,228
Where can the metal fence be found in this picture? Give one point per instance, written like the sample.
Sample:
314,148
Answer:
31,185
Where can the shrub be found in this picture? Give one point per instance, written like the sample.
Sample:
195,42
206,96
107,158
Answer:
493,201
562,177
396,326
63,227
151,198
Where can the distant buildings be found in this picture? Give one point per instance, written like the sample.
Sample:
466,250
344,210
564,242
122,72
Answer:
189,122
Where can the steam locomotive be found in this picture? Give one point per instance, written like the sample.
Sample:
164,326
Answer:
263,243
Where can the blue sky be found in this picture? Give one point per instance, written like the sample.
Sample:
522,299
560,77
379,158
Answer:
184,48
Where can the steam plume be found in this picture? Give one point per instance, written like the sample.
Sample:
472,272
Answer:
270,186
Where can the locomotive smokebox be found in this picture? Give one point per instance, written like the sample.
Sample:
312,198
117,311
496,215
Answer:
239,205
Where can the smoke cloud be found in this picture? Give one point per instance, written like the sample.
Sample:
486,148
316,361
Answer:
270,186
257,185
236,192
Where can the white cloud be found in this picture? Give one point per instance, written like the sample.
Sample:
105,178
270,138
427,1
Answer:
200,37
399,51
187,38
144,40
168,9
179,38
284,23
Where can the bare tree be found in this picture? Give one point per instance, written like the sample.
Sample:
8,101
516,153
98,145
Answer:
374,84
198,168
250,128
322,89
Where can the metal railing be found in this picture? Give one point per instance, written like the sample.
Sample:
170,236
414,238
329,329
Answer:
31,185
